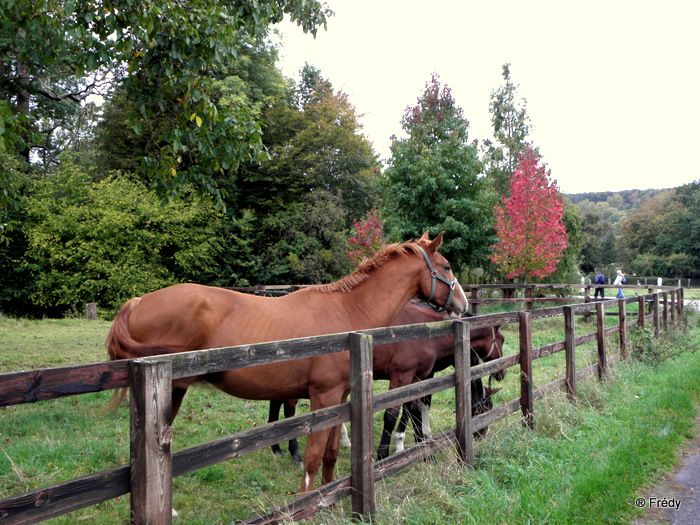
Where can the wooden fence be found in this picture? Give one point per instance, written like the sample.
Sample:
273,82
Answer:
148,476
533,293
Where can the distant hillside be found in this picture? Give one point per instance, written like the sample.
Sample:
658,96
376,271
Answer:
622,200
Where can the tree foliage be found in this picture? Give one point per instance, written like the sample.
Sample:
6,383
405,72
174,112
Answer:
511,126
531,234
320,177
433,180
368,237
111,240
663,236
54,54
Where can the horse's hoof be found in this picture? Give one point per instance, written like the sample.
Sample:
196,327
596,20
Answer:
298,462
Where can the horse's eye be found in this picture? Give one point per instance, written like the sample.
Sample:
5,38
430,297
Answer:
448,269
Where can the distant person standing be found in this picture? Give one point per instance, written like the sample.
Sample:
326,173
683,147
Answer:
620,279
599,279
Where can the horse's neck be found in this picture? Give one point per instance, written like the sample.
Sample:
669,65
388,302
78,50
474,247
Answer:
380,299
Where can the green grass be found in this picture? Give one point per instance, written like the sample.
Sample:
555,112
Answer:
584,462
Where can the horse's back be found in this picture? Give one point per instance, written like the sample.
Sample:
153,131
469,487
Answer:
175,319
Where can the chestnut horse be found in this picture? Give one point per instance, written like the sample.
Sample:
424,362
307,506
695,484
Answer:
188,317
406,362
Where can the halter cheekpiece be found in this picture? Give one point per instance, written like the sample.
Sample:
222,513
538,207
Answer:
436,276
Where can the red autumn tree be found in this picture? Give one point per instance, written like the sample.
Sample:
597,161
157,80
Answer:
368,237
529,226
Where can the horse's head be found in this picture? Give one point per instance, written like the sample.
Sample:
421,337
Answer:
487,343
439,285
481,401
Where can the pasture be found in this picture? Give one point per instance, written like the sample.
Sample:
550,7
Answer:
47,442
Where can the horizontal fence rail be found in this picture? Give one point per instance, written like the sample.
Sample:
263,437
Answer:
148,477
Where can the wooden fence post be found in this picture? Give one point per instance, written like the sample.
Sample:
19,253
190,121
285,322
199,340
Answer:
463,393
681,298
655,311
641,309
672,308
361,420
665,310
475,295
91,311
622,307
526,385
570,349
151,467
528,297
600,334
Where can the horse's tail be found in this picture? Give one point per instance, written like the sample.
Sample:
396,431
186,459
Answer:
118,343
121,345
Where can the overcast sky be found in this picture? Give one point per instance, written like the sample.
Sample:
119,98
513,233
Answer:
611,86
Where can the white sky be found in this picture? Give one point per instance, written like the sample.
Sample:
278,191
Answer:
611,86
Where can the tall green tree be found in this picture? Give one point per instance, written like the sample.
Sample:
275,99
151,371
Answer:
54,54
433,180
320,176
511,126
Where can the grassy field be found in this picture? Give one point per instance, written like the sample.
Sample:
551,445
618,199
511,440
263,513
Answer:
584,462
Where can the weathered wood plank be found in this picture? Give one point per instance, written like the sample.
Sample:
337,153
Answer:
463,391
151,443
48,502
362,452
235,445
600,332
50,383
570,344
526,386
622,327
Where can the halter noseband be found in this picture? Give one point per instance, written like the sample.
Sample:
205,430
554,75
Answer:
436,276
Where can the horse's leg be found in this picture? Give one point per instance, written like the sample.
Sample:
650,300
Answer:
425,416
272,416
330,455
390,417
178,396
317,448
290,406
344,439
400,436
415,412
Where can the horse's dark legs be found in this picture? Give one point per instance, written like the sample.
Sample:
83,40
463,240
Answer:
178,396
415,412
272,416
289,411
390,417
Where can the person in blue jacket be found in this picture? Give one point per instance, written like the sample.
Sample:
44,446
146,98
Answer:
599,279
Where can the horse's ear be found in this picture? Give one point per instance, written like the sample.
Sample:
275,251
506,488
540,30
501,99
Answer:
435,243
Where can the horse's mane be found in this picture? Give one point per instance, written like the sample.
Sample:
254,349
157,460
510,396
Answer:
363,271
